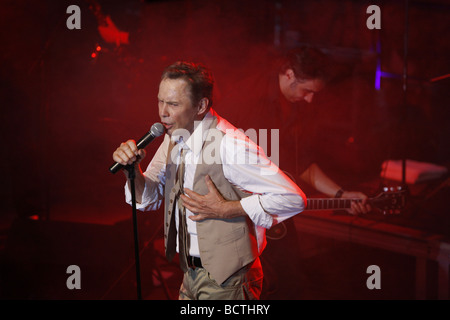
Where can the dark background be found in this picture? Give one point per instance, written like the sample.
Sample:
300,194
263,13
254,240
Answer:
64,113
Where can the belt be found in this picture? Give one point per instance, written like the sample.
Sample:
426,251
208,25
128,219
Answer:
194,262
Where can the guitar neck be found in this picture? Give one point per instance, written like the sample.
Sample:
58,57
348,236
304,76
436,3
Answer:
391,200
329,203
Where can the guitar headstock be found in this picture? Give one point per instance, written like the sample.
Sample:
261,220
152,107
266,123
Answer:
391,200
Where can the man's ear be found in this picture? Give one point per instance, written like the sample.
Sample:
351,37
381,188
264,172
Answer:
203,106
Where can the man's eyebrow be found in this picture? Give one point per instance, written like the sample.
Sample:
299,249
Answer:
172,102
169,102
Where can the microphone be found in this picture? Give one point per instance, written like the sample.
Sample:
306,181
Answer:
156,130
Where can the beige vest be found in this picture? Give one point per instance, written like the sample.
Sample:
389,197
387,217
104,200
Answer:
226,245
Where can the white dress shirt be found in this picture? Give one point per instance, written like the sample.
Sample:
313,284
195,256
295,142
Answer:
273,194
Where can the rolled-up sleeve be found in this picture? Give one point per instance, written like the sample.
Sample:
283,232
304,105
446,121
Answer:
274,194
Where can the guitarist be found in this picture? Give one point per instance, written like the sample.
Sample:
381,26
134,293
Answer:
281,97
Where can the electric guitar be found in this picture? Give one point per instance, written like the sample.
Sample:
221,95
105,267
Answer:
390,201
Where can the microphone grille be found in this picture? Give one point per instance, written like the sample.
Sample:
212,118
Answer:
157,129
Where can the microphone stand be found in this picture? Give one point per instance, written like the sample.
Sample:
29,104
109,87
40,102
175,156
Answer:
131,177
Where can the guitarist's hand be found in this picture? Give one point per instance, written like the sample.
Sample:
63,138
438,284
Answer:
358,207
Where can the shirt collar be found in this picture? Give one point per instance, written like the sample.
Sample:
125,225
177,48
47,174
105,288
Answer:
194,142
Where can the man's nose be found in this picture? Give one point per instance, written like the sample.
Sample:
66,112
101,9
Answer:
309,97
163,110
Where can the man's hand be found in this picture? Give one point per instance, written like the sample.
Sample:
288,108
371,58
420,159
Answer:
212,205
128,153
358,207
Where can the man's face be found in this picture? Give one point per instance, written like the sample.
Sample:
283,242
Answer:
295,90
175,107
